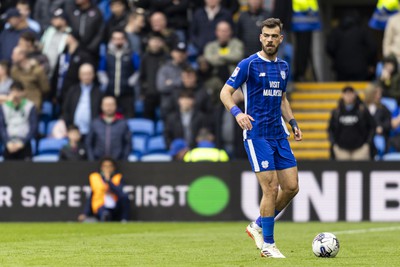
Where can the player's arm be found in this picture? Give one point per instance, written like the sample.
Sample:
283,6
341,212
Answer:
227,99
289,117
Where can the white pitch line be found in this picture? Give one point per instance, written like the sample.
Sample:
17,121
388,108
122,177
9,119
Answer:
368,230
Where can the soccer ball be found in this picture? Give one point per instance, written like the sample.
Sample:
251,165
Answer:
325,245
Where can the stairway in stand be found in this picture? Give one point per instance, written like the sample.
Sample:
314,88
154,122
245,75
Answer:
312,104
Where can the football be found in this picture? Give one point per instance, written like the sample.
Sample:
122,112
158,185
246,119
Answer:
325,245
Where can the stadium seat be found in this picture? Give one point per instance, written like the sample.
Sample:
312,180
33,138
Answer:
139,144
1,159
51,145
141,126
139,107
42,128
133,158
159,127
380,145
158,157
34,146
47,109
395,156
156,144
50,127
46,158
390,103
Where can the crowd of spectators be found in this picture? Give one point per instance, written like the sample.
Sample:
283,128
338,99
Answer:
93,65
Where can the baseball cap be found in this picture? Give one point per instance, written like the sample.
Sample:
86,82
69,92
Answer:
180,46
59,13
12,12
177,145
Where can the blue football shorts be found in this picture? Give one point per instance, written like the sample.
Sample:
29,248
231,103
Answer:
269,154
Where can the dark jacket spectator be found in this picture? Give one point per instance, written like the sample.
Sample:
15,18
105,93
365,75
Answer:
389,77
119,18
350,40
153,58
231,5
351,128
75,150
9,37
109,135
87,21
248,26
186,122
203,26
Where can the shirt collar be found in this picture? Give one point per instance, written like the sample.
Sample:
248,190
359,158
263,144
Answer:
265,59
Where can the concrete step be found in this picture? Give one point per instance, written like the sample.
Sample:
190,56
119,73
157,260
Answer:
306,145
312,116
314,135
311,154
313,105
359,86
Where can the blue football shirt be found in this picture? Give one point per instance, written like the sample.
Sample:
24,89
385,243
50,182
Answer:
262,82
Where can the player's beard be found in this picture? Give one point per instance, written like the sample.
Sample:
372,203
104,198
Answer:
270,51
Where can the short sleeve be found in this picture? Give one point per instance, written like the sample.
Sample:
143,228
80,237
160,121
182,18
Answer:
239,75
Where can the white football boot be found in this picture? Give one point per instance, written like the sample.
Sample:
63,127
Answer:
271,251
255,232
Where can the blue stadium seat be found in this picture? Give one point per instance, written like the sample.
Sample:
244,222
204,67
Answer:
156,144
141,126
46,158
50,127
34,146
395,156
133,158
42,129
159,127
139,107
139,144
51,145
380,144
158,157
1,159
47,109
390,103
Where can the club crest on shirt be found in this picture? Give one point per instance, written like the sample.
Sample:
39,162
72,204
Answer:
235,72
283,74
265,164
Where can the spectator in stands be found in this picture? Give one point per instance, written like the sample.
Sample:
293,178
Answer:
391,37
390,77
158,25
5,81
108,201
153,58
66,72
133,29
178,149
224,53
118,72
351,40
382,116
87,21
231,5
31,74
9,37
18,124
25,11
209,81
109,134
29,43
205,149
248,26
54,39
204,23
118,19
169,77
190,83
186,122
351,128
75,149
176,12
82,102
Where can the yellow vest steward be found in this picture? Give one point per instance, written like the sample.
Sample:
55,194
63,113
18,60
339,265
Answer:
100,189
305,15
304,5
384,9
206,154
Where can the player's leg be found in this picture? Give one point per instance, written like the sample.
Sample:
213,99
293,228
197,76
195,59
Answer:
289,187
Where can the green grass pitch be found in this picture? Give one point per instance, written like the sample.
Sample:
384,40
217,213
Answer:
191,244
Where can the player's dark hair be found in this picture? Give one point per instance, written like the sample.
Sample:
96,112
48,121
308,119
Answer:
272,23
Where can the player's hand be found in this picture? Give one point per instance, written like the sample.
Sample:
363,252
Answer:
244,121
298,136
